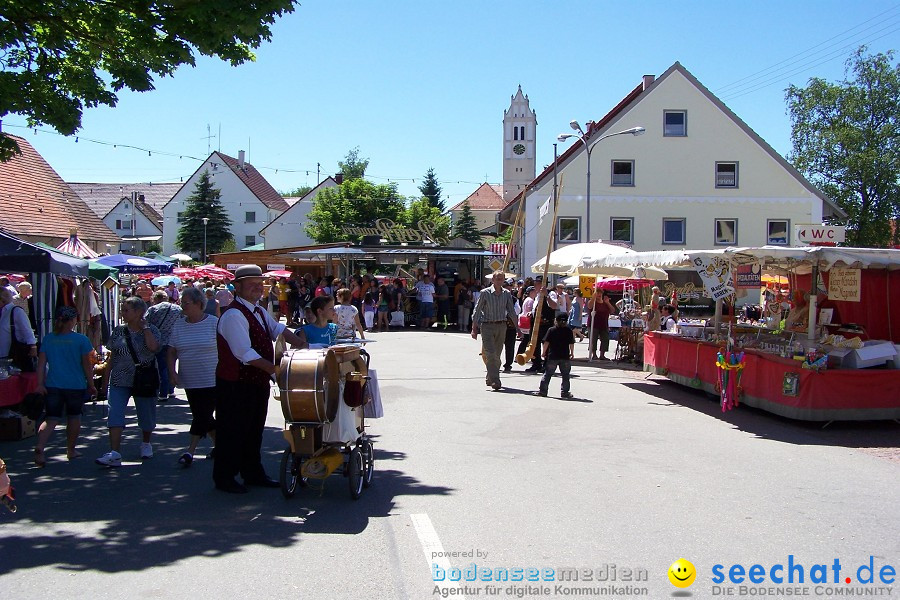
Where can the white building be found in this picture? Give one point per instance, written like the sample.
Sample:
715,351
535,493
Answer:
140,222
288,230
251,202
698,178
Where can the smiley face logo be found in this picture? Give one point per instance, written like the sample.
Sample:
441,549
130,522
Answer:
682,573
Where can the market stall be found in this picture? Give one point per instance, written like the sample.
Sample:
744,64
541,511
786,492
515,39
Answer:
798,367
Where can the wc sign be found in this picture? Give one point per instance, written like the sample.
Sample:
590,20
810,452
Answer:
819,234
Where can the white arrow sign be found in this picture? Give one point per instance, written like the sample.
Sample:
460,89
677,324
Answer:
810,233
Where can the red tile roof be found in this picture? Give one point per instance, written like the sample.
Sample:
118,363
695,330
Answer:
486,197
36,202
256,183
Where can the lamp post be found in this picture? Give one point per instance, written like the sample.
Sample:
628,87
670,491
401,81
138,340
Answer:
205,222
581,135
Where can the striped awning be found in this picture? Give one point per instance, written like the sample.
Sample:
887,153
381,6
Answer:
76,247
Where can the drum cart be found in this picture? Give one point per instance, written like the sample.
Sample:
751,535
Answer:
322,396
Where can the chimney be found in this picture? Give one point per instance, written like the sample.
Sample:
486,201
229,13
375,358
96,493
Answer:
648,80
339,178
241,158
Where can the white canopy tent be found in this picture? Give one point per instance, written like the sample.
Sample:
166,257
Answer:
595,258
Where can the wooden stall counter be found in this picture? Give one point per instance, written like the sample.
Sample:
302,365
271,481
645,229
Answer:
779,385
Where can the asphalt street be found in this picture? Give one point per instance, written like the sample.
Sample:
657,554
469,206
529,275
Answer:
618,483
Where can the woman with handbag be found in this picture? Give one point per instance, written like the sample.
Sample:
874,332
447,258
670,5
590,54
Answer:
132,367
65,375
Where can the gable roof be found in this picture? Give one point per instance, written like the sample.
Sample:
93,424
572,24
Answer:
35,201
309,195
600,128
102,198
256,183
145,209
487,197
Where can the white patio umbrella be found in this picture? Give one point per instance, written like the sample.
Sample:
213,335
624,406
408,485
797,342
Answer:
181,257
588,259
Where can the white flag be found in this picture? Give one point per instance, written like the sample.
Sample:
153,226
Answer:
544,210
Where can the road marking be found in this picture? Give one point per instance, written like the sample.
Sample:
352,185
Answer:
431,543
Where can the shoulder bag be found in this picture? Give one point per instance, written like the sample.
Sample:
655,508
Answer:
146,378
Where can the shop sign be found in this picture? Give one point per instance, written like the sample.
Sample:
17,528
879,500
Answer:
688,291
393,232
275,267
749,276
715,272
844,284
818,234
233,266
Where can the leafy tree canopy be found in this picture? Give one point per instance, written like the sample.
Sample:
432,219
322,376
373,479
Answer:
431,190
353,167
204,202
846,140
354,203
422,210
58,57
298,192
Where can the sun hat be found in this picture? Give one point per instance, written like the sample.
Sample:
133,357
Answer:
248,272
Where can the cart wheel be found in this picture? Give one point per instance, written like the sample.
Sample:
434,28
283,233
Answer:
355,473
368,452
289,475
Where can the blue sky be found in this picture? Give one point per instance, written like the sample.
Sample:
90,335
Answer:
419,84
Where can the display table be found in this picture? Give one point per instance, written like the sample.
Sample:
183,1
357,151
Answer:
833,395
13,389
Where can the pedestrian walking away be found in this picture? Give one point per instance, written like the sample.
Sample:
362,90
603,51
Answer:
494,309
558,350
246,356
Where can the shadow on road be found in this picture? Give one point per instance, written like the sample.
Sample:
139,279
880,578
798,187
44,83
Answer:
850,434
79,516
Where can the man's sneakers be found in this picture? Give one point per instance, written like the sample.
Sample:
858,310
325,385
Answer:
186,459
539,393
566,395
507,369
146,450
110,459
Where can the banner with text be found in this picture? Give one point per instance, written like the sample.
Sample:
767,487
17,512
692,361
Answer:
749,276
844,284
715,272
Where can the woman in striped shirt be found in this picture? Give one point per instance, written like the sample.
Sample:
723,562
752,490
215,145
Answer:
193,344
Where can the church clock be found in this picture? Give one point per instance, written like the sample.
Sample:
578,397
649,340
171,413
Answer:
519,149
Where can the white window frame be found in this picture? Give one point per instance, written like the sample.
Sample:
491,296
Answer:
787,232
716,241
577,237
683,240
737,171
612,229
247,216
675,111
612,172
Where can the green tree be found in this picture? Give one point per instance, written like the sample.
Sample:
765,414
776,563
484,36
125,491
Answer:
59,56
432,190
353,167
298,192
354,203
846,140
422,210
204,202
465,226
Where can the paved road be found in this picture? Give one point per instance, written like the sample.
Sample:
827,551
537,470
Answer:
631,475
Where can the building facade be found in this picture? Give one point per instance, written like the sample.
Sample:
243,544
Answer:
250,201
288,230
698,178
519,135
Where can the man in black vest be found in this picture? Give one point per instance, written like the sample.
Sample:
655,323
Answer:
246,364
548,312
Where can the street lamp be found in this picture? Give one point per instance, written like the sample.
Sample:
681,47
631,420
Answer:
581,135
205,222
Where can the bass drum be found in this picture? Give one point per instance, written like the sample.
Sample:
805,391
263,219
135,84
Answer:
308,380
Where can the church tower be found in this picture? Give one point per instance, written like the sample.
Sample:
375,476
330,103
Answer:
519,128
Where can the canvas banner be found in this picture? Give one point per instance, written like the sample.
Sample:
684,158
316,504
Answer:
715,272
